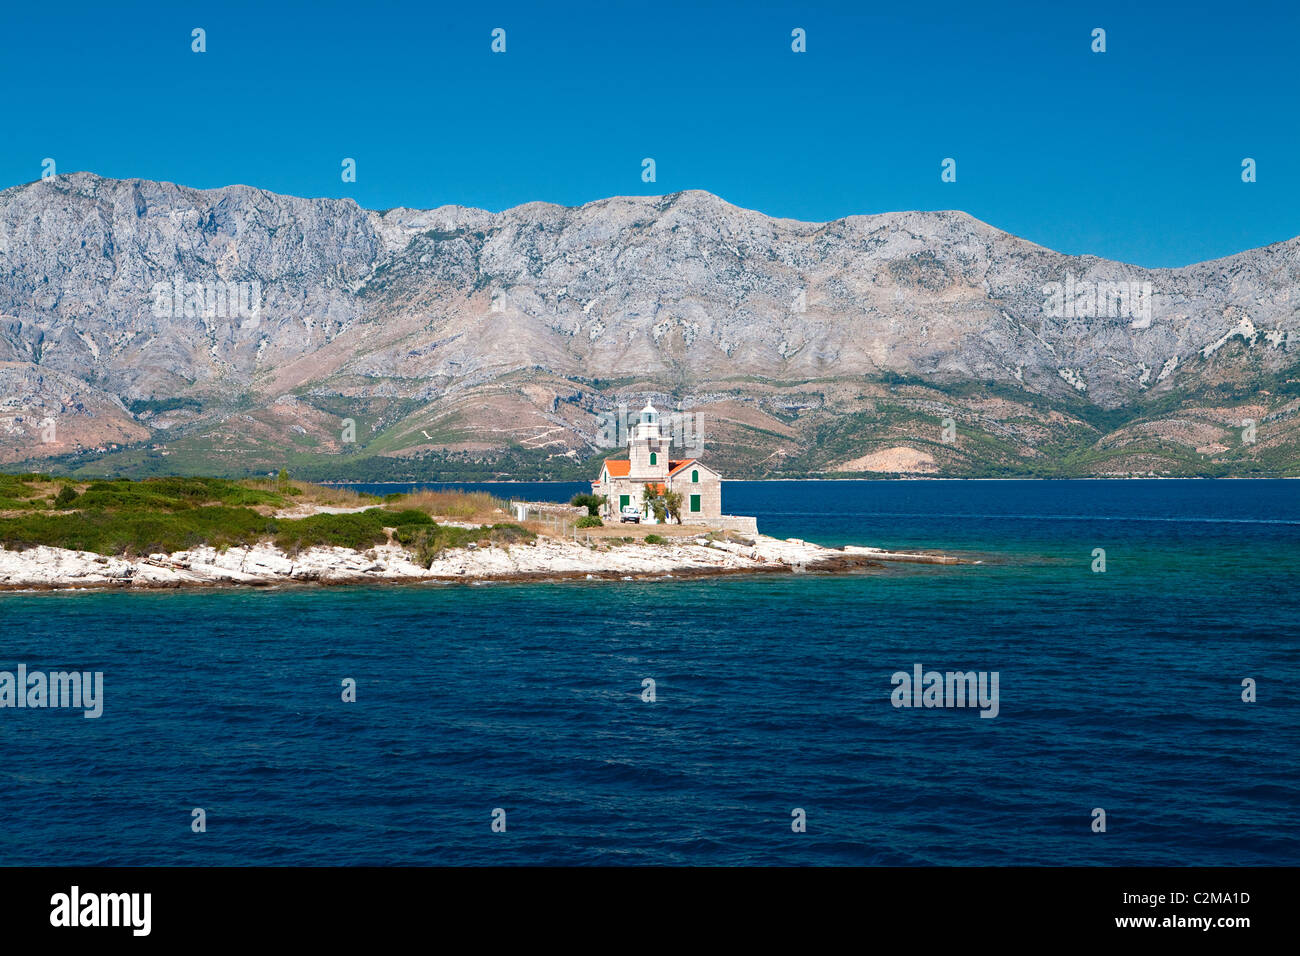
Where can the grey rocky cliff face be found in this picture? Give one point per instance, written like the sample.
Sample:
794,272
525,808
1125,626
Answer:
450,309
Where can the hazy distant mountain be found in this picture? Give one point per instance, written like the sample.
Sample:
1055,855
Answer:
458,339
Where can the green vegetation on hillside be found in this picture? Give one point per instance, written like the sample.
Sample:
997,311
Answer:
806,429
154,406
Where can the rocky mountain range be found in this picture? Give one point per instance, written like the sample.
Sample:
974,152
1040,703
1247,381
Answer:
151,328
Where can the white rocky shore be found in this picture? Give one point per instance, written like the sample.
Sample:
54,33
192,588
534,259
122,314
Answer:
45,568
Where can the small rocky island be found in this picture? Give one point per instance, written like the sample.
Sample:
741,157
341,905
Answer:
197,532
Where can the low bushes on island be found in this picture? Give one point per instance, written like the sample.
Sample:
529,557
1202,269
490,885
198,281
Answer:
355,530
23,492
134,532
167,515
173,494
427,542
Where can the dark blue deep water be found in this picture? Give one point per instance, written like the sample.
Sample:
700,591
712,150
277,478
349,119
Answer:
1119,690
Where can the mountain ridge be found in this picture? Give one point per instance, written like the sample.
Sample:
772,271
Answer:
412,210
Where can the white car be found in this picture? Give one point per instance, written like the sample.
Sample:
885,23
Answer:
629,513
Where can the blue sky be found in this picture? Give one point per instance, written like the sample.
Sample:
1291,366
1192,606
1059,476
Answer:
1133,154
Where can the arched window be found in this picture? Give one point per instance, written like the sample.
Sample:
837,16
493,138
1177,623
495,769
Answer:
695,477
654,459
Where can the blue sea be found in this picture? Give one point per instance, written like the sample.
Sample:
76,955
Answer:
1119,689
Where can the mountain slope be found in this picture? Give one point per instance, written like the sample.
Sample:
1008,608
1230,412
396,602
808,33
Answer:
460,342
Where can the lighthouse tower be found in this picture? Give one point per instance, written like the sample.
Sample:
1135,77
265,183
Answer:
647,448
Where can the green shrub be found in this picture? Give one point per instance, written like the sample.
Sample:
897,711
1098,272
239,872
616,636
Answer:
66,496
592,503
409,516
356,530
590,521
655,539
426,542
409,533
505,533
422,542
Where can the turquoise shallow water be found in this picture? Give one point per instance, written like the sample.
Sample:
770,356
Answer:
1118,690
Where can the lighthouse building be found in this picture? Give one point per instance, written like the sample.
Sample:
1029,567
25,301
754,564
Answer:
623,481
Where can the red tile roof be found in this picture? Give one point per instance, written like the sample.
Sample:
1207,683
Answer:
622,467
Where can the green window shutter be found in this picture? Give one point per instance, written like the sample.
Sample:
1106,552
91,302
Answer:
695,477
654,459
695,502
623,501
